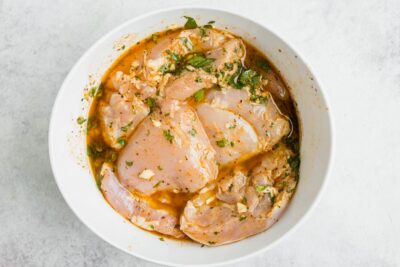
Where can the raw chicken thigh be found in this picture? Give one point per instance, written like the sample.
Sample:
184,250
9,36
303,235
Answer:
137,210
169,151
232,137
266,118
120,117
241,205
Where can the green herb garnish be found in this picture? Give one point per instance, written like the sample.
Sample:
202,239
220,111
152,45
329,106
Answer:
80,120
151,102
190,23
129,163
199,95
200,61
121,141
222,142
126,127
261,188
249,77
168,135
186,42
96,91
193,132
164,68
174,56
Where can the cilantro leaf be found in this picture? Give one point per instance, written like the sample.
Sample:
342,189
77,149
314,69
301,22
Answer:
190,23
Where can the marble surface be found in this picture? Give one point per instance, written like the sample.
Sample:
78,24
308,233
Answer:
354,48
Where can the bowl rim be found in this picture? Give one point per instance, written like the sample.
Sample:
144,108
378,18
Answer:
331,147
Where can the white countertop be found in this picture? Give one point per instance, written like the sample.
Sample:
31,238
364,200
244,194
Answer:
354,48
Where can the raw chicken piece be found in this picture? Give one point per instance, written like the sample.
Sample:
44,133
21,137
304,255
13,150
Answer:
213,217
231,136
204,39
119,117
266,118
188,84
136,209
159,59
132,85
232,51
231,188
163,57
169,151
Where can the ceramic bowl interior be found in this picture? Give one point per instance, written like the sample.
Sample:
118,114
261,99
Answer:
67,146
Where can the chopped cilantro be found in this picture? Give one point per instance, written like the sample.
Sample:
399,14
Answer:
200,61
222,142
261,188
174,56
190,23
161,239
129,163
203,32
126,127
242,218
186,42
92,91
228,66
249,77
168,135
159,168
199,95
164,68
234,79
151,102
121,141
80,120
193,132
96,91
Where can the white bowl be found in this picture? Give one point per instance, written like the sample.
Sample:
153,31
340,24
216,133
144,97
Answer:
67,145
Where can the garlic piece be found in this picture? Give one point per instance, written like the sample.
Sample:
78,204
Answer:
241,207
156,123
146,174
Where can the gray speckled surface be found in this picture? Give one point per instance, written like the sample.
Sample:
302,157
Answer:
354,48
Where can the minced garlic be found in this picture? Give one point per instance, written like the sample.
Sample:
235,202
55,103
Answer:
146,174
156,123
241,207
